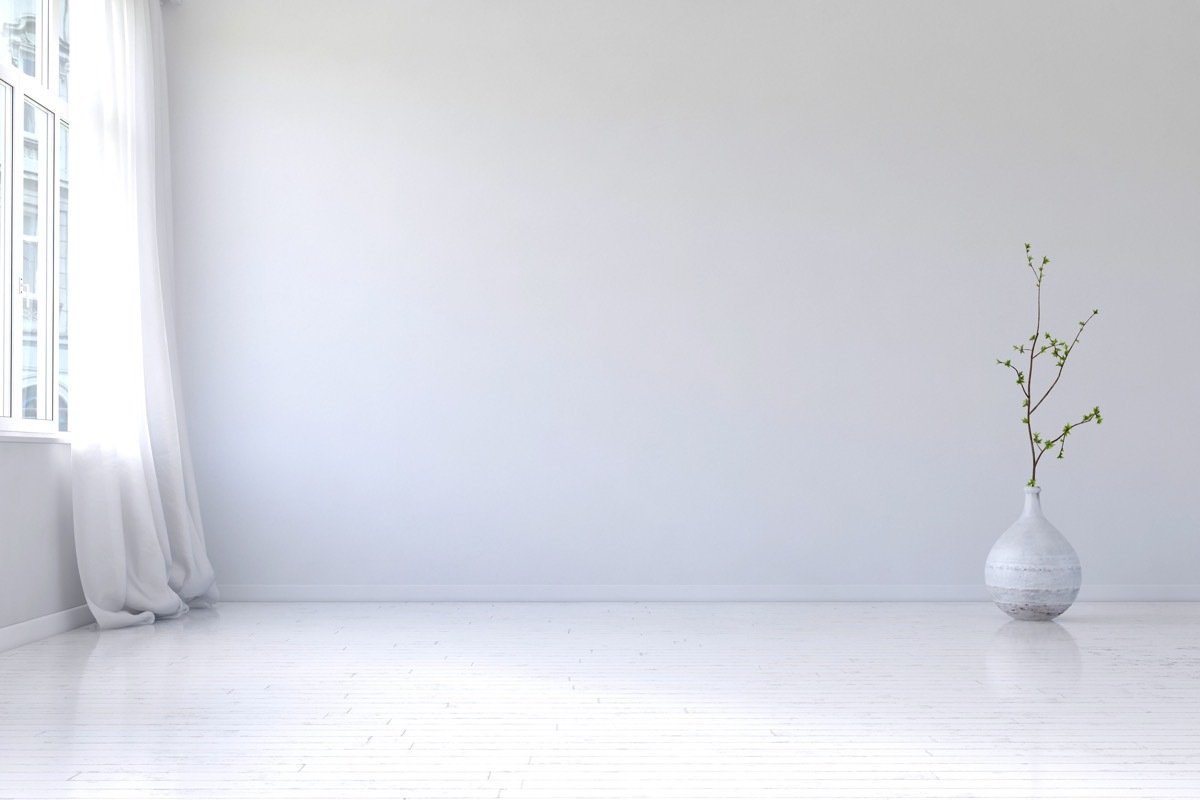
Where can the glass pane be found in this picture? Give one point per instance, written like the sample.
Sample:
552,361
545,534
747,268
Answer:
19,25
63,406
32,280
5,257
64,46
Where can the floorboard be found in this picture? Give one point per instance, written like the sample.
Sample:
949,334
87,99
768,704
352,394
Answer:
610,700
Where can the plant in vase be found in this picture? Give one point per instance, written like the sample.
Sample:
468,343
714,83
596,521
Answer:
1032,571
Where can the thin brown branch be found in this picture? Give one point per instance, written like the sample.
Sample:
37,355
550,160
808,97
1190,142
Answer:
1051,442
1063,362
1037,331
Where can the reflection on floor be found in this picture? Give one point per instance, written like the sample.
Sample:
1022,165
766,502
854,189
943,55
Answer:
610,700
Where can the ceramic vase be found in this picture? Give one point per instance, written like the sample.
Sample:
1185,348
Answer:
1032,571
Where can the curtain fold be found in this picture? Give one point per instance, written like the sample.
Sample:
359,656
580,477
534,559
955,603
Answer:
138,533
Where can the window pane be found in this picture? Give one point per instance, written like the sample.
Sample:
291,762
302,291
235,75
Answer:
18,31
64,47
33,279
63,406
6,277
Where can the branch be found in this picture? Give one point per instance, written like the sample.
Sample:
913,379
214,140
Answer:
1039,272
1063,361
1020,377
1091,416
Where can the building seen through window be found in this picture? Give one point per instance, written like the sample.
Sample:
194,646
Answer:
34,203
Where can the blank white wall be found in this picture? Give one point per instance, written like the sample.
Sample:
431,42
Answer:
38,574
681,292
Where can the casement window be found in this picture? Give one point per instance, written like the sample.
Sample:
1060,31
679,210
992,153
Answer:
34,71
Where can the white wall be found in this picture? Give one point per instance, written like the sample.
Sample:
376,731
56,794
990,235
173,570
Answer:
38,573
682,292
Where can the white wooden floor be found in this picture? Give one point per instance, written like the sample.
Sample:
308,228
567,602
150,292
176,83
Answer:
589,700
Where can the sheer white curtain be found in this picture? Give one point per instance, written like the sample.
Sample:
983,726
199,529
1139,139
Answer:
137,525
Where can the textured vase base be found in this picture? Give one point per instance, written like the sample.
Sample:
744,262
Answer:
1032,612
1032,572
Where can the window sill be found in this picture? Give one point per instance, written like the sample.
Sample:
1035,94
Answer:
28,437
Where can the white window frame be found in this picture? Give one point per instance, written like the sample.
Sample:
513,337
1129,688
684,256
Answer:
41,90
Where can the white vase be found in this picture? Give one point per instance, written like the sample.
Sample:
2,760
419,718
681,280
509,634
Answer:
1032,571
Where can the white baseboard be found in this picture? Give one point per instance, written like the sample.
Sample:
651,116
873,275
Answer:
1141,593
662,593
590,592
23,633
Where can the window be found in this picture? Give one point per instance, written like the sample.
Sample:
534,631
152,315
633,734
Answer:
34,61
